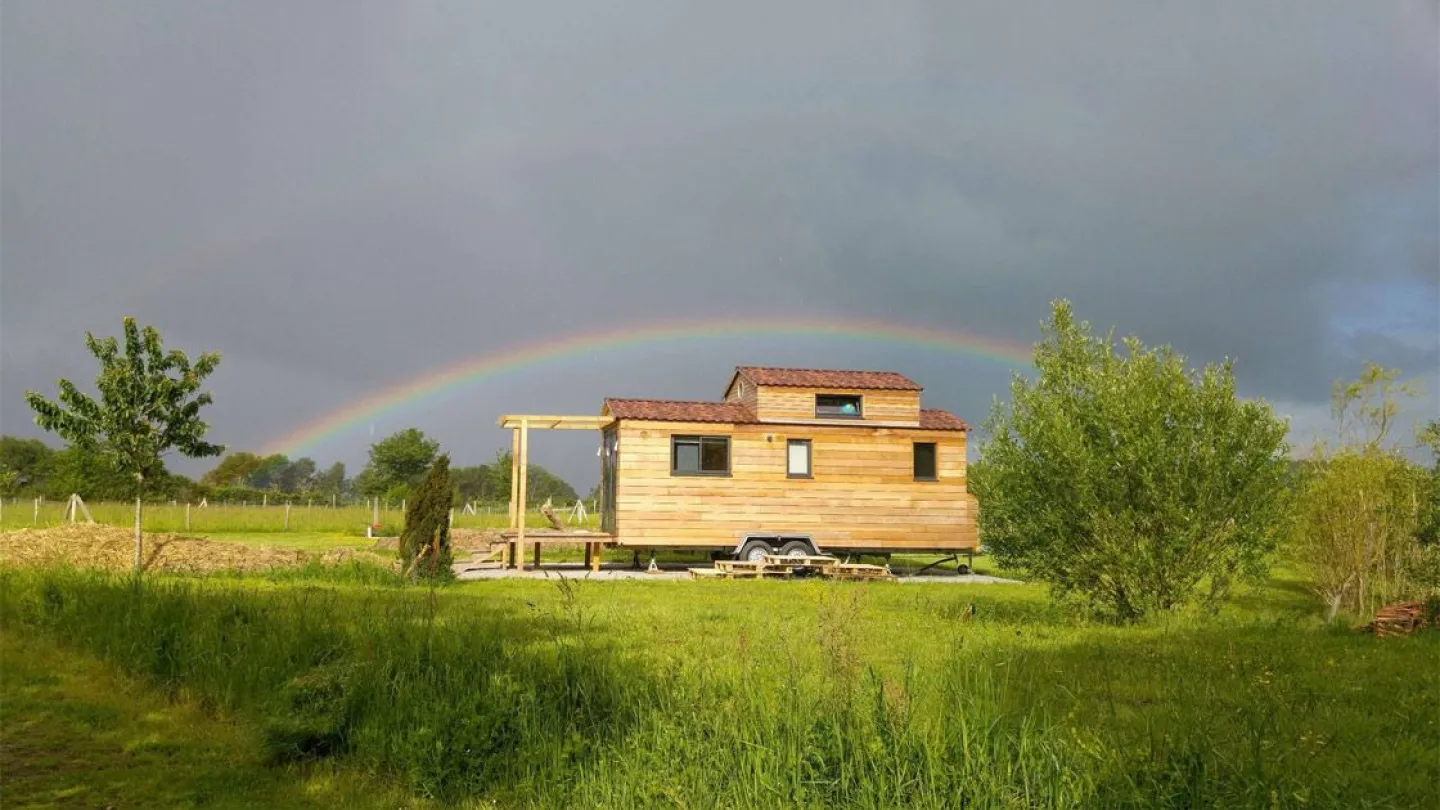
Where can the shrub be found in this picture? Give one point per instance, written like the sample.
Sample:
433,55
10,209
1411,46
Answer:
1126,480
425,540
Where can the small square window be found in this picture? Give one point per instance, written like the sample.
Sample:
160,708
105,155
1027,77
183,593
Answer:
699,455
925,461
837,406
797,458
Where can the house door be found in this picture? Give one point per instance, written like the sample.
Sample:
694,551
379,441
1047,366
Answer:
609,467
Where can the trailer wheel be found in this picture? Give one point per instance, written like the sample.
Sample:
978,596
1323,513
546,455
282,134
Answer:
755,551
796,548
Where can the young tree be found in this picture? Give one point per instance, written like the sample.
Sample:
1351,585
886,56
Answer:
397,462
150,403
425,540
1127,481
1361,529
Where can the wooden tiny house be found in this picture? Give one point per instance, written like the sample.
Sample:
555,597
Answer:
846,460
789,460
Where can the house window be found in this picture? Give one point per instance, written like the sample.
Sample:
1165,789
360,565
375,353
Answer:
925,461
837,406
797,458
700,455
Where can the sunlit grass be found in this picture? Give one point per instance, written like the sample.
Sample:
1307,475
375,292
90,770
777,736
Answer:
705,694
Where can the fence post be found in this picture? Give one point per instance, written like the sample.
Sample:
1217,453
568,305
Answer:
375,507
187,516
287,517
35,516
265,499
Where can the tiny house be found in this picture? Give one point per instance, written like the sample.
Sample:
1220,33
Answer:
788,461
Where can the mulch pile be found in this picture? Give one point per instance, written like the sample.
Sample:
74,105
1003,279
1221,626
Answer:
113,549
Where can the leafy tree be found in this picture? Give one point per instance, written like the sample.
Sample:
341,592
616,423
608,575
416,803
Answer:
472,483
299,476
540,484
269,473
1125,480
1428,529
1365,409
150,403
95,475
1364,513
30,462
332,481
425,541
233,470
398,462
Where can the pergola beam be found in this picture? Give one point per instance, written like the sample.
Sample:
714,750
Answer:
548,422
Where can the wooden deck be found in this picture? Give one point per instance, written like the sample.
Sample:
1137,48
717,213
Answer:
594,542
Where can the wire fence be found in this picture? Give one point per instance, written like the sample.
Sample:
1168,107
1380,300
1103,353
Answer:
317,516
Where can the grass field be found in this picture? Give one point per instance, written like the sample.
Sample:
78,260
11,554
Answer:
322,687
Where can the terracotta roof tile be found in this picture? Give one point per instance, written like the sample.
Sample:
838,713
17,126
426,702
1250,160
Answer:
828,378
669,410
936,419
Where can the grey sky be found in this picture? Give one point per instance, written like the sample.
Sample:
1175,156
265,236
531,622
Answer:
340,196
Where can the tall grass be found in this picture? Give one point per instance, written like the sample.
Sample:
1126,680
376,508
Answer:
253,518
765,695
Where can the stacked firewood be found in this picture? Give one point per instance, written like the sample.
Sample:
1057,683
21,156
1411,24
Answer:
1401,619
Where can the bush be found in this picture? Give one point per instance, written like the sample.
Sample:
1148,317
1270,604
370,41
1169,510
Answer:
425,540
1127,481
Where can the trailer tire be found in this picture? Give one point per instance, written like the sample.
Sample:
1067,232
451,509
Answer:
797,548
754,551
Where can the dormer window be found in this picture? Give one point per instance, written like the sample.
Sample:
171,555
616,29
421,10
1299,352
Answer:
837,406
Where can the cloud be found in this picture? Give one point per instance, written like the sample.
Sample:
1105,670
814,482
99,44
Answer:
340,197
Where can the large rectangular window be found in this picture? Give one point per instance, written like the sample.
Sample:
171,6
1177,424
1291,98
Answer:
797,458
925,467
837,406
699,455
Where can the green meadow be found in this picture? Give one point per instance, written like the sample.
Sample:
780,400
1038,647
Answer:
339,686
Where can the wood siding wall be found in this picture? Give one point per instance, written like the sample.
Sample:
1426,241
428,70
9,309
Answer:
862,493
747,397
777,404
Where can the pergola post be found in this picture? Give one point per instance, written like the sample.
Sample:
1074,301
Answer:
524,464
520,475
514,491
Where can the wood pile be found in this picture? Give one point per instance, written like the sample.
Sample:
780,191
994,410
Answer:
775,566
1401,619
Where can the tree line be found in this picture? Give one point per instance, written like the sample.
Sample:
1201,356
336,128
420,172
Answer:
31,468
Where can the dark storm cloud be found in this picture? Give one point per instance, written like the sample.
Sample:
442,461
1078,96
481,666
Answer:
341,196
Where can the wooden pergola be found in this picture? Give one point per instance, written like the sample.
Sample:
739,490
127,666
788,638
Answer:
521,424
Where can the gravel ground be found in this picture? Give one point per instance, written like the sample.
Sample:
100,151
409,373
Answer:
617,571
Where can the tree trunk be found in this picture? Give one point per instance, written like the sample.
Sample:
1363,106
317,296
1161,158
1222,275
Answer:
137,533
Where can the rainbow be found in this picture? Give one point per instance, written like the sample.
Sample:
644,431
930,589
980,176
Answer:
437,383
